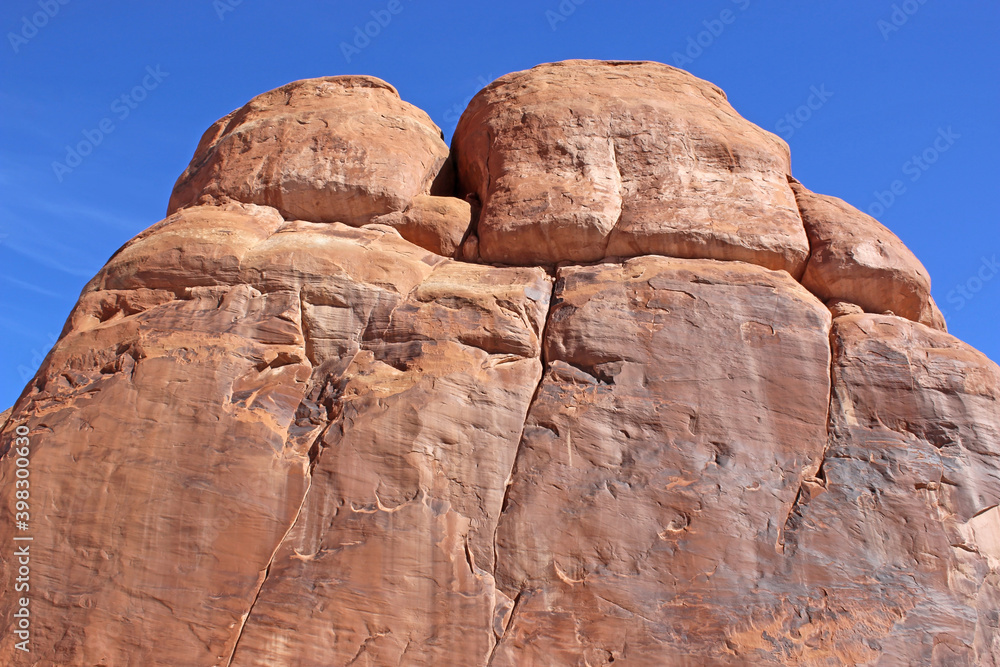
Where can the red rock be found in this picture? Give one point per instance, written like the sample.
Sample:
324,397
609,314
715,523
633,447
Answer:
197,246
300,426
436,223
160,445
334,149
270,333
898,549
581,160
408,484
656,460
856,259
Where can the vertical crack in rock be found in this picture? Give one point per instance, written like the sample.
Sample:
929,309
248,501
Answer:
267,570
510,622
307,347
489,171
790,519
312,452
809,241
621,195
513,468
818,477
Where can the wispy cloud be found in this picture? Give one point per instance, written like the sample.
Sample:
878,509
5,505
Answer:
34,288
75,211
48,258
20,328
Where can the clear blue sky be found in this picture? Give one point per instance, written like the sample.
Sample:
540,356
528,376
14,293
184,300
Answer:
894,78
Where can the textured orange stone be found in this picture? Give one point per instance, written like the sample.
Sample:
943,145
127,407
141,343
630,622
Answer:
627,394
583,160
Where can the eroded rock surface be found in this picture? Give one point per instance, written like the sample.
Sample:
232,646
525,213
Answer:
335,149
856,259
663,470
582,160
305,421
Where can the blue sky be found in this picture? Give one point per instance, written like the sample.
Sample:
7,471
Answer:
904,94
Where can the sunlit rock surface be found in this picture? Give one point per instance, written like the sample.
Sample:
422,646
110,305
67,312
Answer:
603,385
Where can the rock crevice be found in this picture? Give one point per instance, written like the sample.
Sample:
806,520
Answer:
635,396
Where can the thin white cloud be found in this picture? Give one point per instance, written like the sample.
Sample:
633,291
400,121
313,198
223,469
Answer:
35,288
51,261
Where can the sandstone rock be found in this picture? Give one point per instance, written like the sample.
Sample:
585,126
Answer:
298,423
657,462
581,160
840,308
197,246
436,223
271,331
910,488
162,478
469,251
854,258
408,484
333,149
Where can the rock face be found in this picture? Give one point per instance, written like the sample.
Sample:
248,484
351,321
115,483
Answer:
338,149
856,259
623,393
580,160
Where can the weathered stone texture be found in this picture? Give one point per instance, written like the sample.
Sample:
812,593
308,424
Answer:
624,393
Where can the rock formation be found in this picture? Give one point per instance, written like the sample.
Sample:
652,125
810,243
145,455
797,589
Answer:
600,384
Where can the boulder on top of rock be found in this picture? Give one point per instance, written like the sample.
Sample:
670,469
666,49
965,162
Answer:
581,160
333,149
855,258
438,224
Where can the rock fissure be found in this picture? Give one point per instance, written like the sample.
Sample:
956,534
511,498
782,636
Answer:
315,404
267,571
312,453
534,396
818,476
515,607
619,187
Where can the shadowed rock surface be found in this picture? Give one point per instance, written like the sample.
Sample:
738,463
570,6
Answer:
605,385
